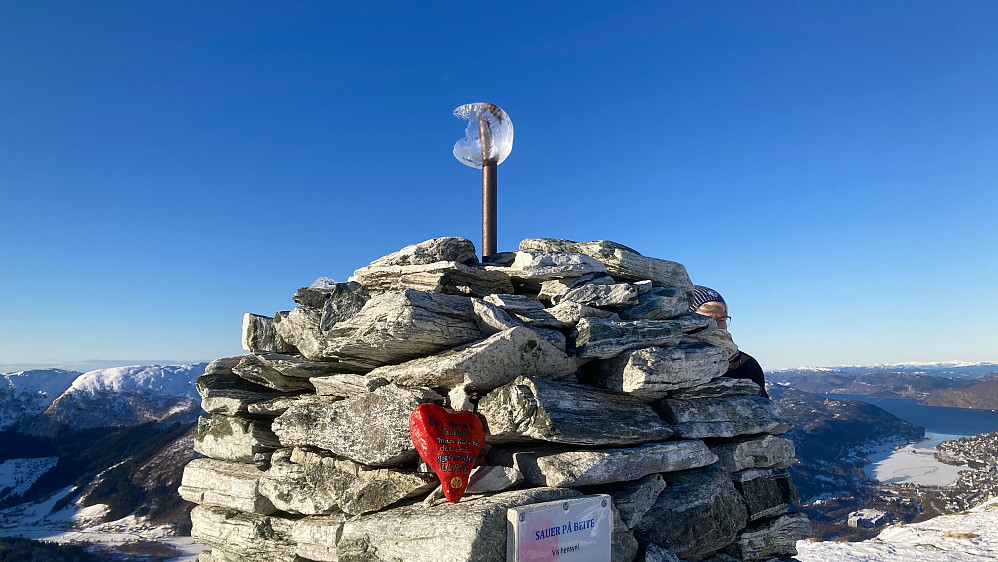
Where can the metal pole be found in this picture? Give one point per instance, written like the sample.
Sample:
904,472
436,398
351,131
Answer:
489,208
488,189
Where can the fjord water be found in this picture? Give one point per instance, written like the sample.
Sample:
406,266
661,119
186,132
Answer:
949,422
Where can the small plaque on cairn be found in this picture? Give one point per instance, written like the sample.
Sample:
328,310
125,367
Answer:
576,530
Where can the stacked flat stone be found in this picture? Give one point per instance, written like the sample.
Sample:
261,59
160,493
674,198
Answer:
580,359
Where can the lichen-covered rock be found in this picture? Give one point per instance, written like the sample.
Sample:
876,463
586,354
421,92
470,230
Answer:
716,388
698,513
246,537
225,484
229,394
483,365
654,372
767,451
236,439
316,536
611,297
729,416
451,278
259,335
766,492
659,303
446,248
396,327
530,409
634,499
655,553
540,266
562,316
553,289
623,545
473,530
346,385
286,373
370,429
604,338
314,483
620,261
564,468
772,538
714,336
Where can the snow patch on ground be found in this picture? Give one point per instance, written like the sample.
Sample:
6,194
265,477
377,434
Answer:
75,523
948,538
914,463
17,475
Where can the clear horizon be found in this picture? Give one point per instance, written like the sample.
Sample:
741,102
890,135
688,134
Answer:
829,168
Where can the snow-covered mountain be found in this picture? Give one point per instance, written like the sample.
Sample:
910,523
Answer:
120,396
26,394
962,369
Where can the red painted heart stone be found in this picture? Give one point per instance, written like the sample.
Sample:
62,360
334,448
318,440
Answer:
449,442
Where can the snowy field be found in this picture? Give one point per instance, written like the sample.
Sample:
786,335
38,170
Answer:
81,524
947,538
914,464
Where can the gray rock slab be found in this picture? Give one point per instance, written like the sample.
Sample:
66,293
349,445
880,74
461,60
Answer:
229,394
483,365
514,303
605,338
396,327
300,328
660,303
312,482
276,406
553,289
226,484
773,538
552,336
446,248
332,303
623,546
692,322
558,467
634,499
562,316
246,537
529,409
716,337
346,385
371,429
655,553
235,439
721,386
728,416
767,451
540,266
473,530
611,297
483,480
316,536
452,278
491,318
698,513
222,366
286,373
260,335
620,261
767,492
654,372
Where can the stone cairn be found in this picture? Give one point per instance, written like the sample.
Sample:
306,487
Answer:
584,366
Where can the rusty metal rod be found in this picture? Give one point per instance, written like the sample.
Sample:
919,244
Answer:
489,208
488,188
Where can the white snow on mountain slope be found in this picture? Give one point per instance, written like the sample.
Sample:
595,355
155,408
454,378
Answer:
17,475
124,396
953,368
971,535
27,393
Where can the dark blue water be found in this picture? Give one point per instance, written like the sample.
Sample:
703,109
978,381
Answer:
935,419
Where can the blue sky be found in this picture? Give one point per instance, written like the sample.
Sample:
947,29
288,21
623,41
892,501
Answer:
830,167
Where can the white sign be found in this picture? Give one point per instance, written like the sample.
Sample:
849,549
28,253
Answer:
572,530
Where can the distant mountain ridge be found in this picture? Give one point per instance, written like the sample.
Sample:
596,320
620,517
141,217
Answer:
41,401
981,395
961,369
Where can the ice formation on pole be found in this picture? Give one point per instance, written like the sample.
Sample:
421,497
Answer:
494,145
